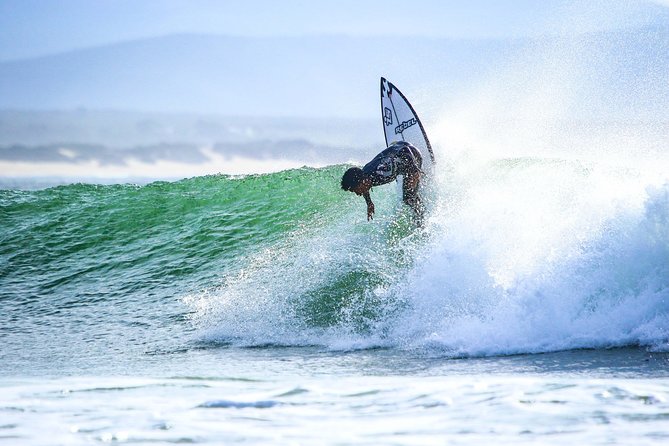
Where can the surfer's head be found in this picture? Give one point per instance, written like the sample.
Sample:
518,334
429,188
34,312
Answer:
353,180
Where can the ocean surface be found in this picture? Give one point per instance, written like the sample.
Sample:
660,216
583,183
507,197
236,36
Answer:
531,308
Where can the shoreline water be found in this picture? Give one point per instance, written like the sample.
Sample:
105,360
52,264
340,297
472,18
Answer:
277,395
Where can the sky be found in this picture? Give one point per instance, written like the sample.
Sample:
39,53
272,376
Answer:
31,28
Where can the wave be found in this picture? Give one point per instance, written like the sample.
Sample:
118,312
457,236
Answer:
82,243
517,256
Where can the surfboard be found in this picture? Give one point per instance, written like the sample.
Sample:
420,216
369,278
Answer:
401,123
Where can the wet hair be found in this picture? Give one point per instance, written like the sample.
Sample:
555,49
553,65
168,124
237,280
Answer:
352,177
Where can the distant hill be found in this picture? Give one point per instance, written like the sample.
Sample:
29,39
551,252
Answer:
291,76
625,72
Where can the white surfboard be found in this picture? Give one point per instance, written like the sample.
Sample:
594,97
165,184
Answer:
401,123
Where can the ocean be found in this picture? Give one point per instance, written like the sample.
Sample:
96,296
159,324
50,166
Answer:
531,308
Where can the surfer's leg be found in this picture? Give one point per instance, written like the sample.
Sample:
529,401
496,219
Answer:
411,197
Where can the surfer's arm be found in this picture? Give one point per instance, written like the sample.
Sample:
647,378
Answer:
370,206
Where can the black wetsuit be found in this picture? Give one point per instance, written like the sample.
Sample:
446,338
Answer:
400,158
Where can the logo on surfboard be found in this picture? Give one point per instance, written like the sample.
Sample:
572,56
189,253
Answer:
405,125
387,116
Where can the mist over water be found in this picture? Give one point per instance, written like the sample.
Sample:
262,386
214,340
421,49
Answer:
551,226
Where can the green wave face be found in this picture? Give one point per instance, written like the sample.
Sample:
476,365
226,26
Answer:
287,238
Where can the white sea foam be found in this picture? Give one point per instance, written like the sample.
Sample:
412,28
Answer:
533,266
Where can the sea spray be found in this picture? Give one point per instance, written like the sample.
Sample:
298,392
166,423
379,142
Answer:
530,269
325,281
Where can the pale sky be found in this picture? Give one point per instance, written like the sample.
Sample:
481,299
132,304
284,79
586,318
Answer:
30,28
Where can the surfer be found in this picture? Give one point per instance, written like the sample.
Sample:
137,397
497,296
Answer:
400,158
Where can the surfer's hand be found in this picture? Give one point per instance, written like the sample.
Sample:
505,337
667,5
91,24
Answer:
370,211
